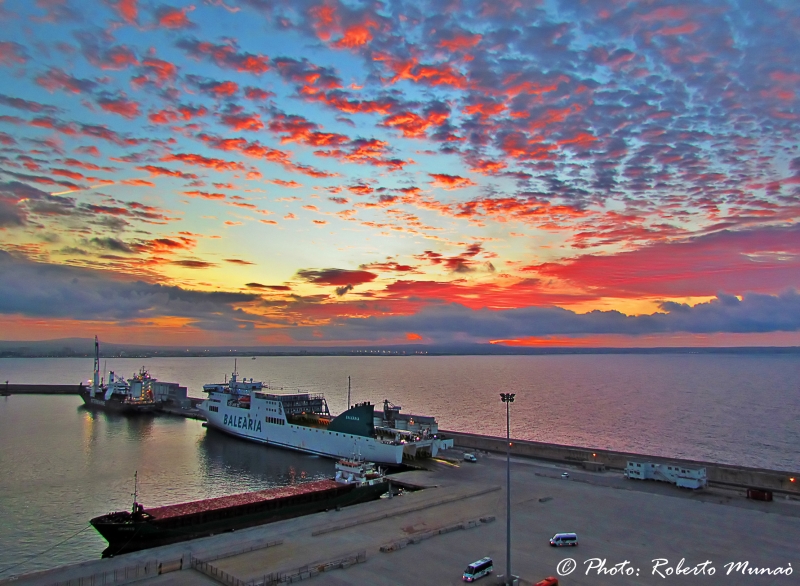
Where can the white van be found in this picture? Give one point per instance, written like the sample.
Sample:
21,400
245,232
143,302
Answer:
563,539
478,569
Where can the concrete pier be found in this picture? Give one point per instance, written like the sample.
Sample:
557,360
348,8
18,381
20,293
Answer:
429,537
24,389
722,475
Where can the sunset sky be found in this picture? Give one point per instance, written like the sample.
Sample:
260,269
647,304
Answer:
321,172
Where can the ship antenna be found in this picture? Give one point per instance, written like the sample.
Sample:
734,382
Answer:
348,391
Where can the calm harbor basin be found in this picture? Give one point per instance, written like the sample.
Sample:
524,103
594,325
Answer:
70,464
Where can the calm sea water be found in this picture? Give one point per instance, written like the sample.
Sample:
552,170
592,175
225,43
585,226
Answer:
60,464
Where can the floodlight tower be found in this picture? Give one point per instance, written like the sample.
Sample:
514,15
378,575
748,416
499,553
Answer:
508,398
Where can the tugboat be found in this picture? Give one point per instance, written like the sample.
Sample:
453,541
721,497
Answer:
117,395
356,481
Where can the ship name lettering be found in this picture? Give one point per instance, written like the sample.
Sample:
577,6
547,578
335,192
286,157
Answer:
351,417
241,423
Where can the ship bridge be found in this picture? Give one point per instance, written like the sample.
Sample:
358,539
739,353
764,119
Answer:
299,403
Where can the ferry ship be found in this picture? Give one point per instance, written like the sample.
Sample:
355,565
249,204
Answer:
356,481
302,421
132,396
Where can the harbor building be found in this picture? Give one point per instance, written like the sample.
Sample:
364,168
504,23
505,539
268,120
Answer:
680,476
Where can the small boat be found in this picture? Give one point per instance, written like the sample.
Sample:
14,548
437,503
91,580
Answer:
356,481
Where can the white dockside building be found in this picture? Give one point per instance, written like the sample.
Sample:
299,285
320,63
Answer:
673,473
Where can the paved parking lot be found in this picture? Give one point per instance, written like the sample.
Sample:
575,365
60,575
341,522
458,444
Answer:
620,523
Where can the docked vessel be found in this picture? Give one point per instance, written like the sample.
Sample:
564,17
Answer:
302,421
356,481
132,396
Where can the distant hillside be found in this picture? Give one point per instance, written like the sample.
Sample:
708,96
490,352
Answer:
84,347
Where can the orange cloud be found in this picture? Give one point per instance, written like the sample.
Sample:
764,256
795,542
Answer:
460,41
156,171
486,167
413,125
174,18
162,70
683,29
324,19
138,182
71,174
411,69
128,10
357,35
204,194
293,184
163,117
216,164
250,122
361,189
121,105
450,181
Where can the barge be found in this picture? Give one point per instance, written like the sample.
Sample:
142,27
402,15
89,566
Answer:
356,481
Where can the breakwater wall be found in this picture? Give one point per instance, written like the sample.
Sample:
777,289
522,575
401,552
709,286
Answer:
18,389
718,474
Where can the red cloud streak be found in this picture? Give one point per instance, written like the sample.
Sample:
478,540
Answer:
735,262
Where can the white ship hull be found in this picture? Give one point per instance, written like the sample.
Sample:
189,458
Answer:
251,424
301,421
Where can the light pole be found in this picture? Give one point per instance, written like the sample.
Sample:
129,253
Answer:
508,398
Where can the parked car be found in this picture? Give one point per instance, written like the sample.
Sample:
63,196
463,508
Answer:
563,539
470,458
483,567
564,475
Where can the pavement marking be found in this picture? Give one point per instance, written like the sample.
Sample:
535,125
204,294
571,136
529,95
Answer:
381,516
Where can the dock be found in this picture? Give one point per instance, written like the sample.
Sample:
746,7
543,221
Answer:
429,536
21,389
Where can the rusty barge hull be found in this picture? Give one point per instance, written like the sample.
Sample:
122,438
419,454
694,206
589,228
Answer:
132,531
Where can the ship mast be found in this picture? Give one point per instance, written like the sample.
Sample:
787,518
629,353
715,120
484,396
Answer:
135,491
96,378
348,392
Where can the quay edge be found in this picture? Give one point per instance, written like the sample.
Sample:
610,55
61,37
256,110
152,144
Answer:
718,474
722,475
24,389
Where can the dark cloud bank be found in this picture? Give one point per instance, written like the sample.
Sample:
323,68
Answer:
62,292
754,313
49,291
